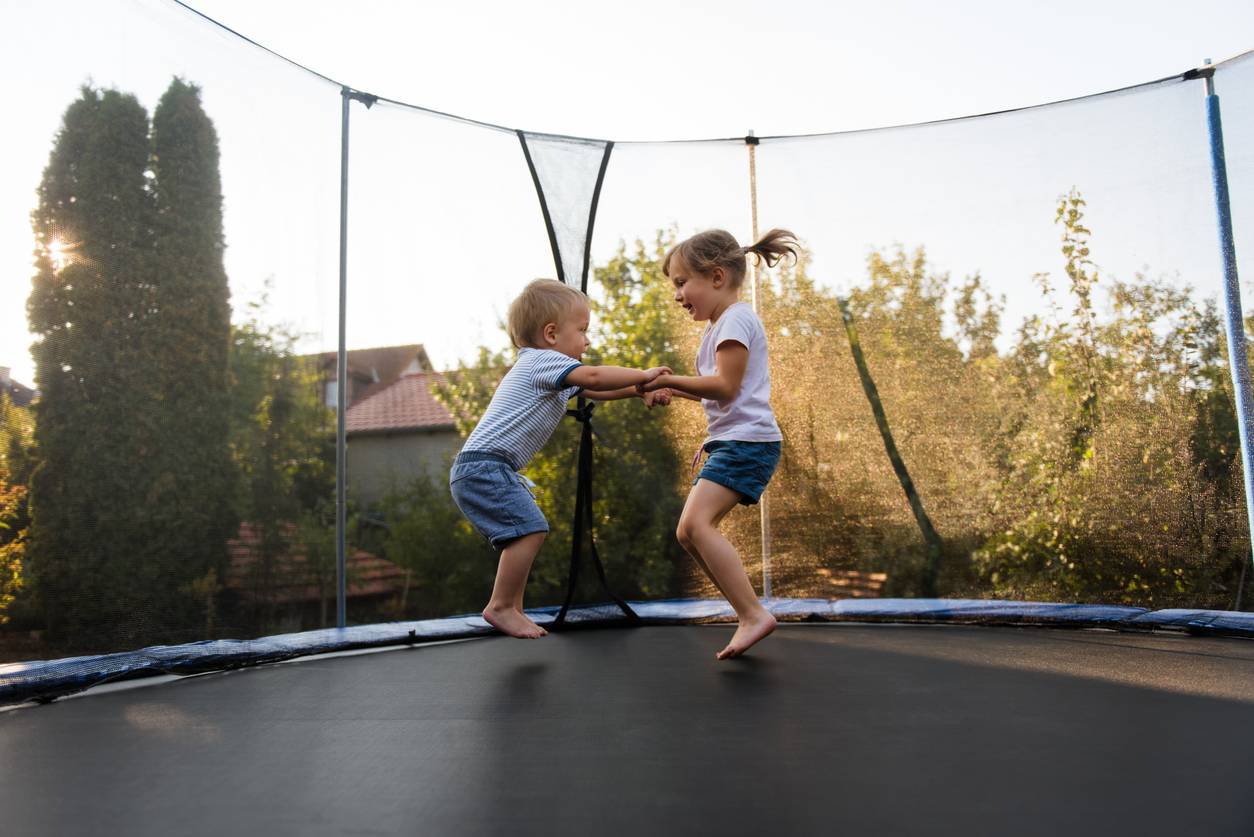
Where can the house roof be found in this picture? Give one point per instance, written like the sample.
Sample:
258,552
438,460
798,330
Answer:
383,363
406,404
294,580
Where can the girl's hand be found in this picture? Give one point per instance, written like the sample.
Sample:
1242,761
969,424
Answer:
656,382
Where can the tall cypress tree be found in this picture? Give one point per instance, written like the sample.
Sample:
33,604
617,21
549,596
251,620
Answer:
190,333
130,504
87,307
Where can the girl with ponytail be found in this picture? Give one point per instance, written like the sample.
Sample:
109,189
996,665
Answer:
733,384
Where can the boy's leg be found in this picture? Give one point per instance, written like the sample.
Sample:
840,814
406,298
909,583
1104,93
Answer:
707,504
504,611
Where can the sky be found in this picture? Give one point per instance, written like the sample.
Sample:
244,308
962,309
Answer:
444,222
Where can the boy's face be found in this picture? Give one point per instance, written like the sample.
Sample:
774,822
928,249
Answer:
570,336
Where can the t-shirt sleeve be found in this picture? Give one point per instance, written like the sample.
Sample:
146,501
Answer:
739,325
551,369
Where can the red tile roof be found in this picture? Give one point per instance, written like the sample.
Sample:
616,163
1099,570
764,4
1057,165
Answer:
383,363
406,404
293,579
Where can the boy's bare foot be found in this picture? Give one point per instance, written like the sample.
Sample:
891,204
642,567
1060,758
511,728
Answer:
751,630
542,631
507,620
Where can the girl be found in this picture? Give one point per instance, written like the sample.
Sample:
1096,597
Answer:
733,384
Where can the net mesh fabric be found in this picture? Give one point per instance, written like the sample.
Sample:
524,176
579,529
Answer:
1034,294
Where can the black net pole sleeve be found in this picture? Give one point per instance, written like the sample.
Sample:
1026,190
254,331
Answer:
544,207
584,521
581,413
592,215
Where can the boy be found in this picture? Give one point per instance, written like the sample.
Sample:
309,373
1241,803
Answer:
548,324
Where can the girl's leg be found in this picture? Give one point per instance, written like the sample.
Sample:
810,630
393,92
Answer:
707,504
685,542
504,611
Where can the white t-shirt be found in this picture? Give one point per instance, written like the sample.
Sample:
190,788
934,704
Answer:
747,417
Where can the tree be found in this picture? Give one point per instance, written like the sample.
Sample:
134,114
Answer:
130,510
188,336
283,447
90,295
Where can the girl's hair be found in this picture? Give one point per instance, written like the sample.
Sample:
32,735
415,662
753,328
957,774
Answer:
717,248
543,301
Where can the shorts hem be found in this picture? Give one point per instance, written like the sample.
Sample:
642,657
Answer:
510,535
745,499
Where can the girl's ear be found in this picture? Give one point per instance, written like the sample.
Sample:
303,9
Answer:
718,276
550,333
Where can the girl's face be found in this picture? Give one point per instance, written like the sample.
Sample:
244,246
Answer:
703,296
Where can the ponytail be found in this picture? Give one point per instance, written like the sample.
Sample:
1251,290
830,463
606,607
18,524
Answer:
718,248
773,246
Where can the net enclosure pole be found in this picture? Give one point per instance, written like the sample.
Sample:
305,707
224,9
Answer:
1234,321
341,379
347,95
764,506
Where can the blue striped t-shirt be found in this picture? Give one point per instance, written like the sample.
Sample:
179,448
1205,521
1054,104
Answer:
526,408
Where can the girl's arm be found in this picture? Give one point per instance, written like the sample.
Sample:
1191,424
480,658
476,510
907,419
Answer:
609,378
611,394
730,360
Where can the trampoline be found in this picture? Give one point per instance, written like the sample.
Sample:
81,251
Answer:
957,450
852,728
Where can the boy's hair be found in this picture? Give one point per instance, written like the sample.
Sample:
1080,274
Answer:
543,301
718,248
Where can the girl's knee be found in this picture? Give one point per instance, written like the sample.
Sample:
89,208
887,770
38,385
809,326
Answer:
681,534
688,532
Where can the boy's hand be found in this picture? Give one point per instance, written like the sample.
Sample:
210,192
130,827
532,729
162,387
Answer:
657,398
655,372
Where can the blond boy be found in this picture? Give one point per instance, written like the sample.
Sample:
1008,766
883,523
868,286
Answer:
548,323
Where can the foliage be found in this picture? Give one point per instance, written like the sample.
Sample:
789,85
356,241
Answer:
283,447
15,431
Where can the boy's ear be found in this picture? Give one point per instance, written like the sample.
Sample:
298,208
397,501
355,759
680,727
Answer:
550,333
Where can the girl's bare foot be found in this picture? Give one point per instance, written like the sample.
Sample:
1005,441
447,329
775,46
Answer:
751,630
510,621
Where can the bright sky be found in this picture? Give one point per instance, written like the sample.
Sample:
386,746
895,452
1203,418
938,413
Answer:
444,220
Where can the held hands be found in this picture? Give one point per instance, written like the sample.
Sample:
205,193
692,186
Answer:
652,394
656,398
653,381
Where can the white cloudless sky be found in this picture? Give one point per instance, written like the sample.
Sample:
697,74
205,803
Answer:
639,70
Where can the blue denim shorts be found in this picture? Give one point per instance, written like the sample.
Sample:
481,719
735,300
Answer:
494,498
744,467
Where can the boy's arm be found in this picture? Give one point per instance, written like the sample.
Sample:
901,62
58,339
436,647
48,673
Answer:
730,360
609,378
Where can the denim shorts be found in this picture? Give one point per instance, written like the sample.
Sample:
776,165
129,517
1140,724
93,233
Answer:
494,498
744,467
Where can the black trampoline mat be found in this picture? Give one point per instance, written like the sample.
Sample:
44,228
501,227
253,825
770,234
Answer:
826,729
